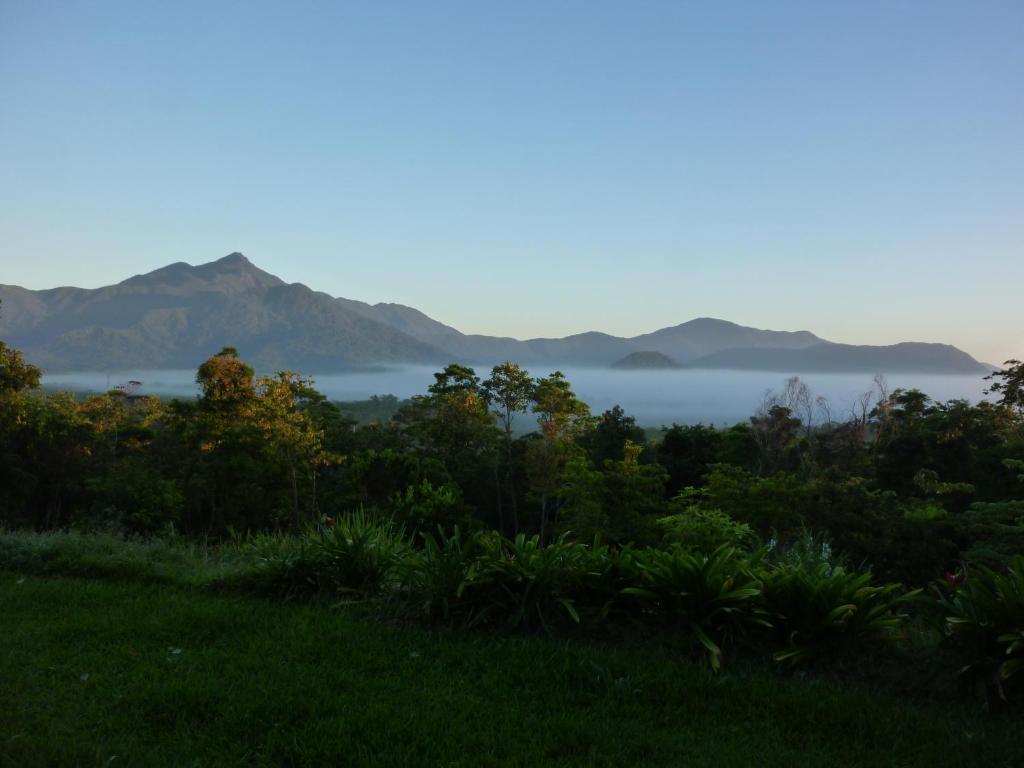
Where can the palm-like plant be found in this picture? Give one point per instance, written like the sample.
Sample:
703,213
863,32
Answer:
819,610
360,555
286,565
524,584
436,578
714,597
986,614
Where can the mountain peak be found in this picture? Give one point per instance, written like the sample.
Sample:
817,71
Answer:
230,273
233,259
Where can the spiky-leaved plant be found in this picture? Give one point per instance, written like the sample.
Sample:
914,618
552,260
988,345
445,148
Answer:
985,616
818,610
435,578
522,583
360,555
713,597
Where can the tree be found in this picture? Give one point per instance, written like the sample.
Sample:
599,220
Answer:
508,392
612,430
226,382
289,435
777,435
1009,385
252,449
686,452
634,496
15,374
454,424
560,413
563,418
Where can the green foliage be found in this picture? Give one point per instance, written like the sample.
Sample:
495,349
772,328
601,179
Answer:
687,452
612,430
924,513
522,584
435,578
353,557
994,532
424,506
168,559
712,597
15,373
1008,383
132,494
508,392
377,409
772,506
287,566
910,488
700,529
360,554
582,513
985,618
820,611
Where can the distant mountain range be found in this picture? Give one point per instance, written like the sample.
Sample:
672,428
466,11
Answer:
177,316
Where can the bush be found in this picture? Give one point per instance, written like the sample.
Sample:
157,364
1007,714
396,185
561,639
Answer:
522,584
704,530
284,565
713,597
985,619
817,610
355,556
435,579
360,555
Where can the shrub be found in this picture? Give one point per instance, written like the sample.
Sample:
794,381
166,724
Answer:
985,617
355,555
284,565
817,610
524,584
435,578
713,597
360,555
704,530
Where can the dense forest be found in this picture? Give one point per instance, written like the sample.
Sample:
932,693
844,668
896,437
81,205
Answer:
911,488
504,501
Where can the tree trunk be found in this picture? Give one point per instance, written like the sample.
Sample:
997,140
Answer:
295,496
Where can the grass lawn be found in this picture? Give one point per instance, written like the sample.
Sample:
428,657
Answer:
121,674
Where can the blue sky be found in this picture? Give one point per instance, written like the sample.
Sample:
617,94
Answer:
536,169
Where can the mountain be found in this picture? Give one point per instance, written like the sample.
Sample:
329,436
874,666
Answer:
645,361
908,357
178,315
704,336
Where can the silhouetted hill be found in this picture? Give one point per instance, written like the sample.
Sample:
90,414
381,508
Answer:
176,316
705,335
645,361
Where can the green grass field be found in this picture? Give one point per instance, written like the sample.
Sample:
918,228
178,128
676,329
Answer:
119,674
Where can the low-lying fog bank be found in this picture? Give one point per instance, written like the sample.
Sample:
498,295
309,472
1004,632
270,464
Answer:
653,397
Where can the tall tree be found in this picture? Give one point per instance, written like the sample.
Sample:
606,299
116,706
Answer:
508,392
563,418
290,436
453,424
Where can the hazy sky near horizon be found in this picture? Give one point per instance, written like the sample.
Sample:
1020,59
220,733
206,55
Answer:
536,169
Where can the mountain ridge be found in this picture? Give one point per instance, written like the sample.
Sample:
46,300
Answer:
179,314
